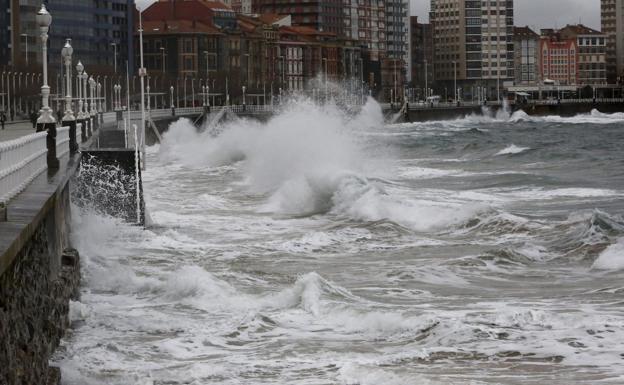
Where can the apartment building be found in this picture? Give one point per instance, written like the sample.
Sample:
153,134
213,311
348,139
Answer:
612,24
526,56
473,43
558,58
591,53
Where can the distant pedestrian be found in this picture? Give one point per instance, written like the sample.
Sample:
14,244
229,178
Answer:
2,119
33,118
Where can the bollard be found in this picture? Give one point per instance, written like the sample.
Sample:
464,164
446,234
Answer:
53,162
73,141
83,130
3,212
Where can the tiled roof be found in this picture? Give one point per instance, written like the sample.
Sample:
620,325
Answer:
178,26
183,10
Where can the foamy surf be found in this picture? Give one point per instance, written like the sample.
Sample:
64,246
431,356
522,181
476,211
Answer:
326,247
512,150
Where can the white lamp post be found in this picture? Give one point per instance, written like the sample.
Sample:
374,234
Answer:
92,90
99,95
85,104
69,119
79,69
147,89
66,53
115,55
46,117
244,89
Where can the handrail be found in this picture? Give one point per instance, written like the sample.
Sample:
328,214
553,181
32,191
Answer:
21,160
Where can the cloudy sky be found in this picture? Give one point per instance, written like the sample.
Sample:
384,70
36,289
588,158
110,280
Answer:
534,13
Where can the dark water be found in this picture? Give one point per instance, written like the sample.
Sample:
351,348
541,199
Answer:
329,249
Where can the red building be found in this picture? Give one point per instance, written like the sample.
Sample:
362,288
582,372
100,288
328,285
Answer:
558,58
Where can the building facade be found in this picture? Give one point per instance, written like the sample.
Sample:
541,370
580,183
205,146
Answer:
365,21
612,24
398,34
321,15
5,33
558,58
526,56
473,43
198,42
591,54
421,57
98,29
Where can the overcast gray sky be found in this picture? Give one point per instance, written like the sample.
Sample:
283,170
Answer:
534,13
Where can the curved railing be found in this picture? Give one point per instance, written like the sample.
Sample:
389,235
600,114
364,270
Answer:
21,160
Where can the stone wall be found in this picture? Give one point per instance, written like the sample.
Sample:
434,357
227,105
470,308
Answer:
34,300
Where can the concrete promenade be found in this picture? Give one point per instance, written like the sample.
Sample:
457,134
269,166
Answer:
16,130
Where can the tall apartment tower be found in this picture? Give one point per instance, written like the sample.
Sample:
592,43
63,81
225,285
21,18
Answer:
365,20
398,33
5,33
612,24
473,43
97,29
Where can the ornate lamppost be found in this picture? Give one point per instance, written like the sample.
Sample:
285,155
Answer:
172,107
81,117
244,89
69,119
85,105
99,96
92,110
46,121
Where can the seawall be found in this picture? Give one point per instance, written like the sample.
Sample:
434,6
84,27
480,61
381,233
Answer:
39,274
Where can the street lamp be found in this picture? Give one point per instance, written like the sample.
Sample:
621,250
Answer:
46,118
79,69
115,55
244,89
92,92
147,90
116,102
99,95
69,119
171,92
25,36
162,50
85,105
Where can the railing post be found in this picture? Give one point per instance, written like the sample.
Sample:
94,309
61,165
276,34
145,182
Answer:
73,142
83,130
53,162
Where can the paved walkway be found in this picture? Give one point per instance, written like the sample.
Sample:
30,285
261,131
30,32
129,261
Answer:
15,130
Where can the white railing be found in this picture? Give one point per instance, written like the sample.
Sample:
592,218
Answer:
79,137
62,141
21,160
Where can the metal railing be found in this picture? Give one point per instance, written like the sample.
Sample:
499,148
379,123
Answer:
21,160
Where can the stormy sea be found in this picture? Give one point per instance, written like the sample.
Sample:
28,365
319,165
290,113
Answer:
325,246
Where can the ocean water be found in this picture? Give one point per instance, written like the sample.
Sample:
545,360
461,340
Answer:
325,247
